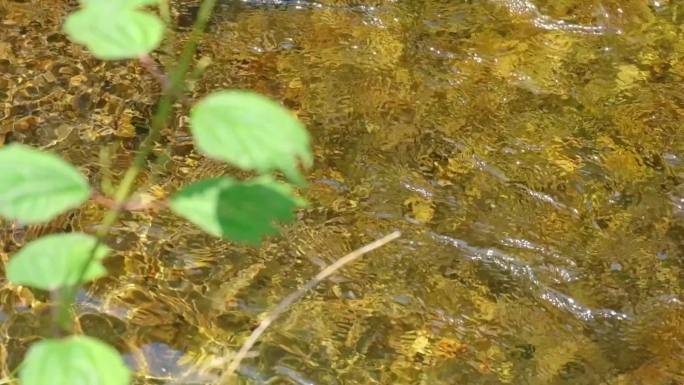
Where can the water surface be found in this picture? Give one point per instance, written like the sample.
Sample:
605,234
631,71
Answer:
530,151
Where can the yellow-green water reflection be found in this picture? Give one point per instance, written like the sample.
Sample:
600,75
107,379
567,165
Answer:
531,152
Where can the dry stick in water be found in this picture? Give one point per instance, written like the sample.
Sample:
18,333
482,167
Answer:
287,301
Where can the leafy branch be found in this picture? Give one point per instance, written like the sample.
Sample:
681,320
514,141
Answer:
159,121
37,186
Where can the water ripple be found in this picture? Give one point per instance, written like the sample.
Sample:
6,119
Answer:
525,272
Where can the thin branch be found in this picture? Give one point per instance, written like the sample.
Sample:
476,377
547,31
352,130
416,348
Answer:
132,204
155,70
293,297
55,314
159,121
165,13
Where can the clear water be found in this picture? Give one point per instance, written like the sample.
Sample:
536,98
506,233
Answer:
531,152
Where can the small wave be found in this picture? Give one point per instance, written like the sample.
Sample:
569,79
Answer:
527,273
542,21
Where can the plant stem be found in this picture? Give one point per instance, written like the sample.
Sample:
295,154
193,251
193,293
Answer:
165,12
176,85
55,313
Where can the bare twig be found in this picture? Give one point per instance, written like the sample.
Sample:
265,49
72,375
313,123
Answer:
133,204
293,297
153,68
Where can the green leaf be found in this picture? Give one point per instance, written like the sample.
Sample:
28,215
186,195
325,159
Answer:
56,260
250,132
37,186
241,211
115,29
77,360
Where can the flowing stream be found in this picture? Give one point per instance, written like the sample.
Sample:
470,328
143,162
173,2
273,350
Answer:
531,153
